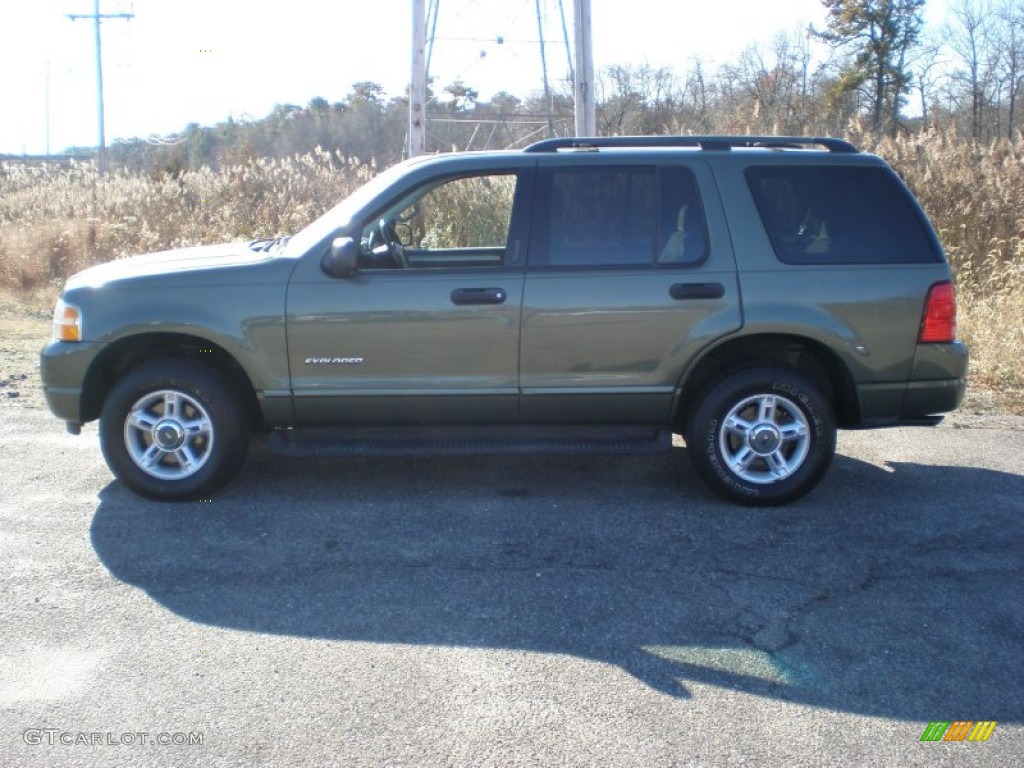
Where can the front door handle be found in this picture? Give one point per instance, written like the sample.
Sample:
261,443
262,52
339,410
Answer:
682,291
463,296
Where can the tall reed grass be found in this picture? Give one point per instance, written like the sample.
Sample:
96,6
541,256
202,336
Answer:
56,221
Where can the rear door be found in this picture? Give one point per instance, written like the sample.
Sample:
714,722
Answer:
630,274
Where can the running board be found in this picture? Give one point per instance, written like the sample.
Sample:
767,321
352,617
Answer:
468,441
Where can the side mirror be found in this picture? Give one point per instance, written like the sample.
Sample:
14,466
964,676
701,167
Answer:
404,232
341,259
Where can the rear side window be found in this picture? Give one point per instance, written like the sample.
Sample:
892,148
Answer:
618,217
840,215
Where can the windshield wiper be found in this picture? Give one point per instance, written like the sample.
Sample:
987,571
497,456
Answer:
265,244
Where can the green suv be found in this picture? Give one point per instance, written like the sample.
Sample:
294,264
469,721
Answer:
751,294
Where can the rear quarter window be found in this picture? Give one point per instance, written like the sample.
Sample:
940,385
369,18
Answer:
841,215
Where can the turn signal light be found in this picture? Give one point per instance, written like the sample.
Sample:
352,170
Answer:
67,322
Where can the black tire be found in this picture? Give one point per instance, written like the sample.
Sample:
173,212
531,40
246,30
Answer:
762,437
173,430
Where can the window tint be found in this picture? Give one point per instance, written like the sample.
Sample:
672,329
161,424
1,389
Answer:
621,216
461,221
840,215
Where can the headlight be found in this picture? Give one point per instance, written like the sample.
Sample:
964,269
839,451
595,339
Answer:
67,322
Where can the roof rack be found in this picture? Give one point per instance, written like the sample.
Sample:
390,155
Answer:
707,143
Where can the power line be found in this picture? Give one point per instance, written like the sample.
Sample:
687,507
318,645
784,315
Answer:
568,48
500,40
432,12
97,17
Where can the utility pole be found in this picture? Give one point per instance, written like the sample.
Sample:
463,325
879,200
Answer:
47,109
586,119
544,72
418,85
97,17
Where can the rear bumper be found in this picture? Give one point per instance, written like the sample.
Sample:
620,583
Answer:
926,398
938,382
937,385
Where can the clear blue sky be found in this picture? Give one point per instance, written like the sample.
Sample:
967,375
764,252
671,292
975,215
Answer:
183,61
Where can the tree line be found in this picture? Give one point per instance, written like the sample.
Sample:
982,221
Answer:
873,68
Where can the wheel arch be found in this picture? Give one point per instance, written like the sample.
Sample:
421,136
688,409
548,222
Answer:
125,354
796,353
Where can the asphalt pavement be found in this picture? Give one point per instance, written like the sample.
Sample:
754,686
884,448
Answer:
512,611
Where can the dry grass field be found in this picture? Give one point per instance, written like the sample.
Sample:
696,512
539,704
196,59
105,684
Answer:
975,197
55,221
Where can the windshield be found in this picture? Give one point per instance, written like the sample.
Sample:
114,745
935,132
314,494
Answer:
343,212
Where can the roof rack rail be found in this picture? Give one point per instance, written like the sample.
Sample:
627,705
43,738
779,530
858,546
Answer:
707,143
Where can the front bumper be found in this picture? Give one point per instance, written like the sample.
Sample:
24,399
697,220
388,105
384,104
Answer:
63,367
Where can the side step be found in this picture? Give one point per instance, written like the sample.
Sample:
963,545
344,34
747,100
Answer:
467,441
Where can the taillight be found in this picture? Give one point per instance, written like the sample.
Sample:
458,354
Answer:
938,326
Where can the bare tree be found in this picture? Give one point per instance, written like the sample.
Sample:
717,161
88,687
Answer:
636,100
698,93
769,86
969,37
927,66
1009,52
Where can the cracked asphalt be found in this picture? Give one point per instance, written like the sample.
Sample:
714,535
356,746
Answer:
513,611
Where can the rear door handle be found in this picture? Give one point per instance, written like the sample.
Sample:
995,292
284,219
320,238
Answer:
463,296
682,291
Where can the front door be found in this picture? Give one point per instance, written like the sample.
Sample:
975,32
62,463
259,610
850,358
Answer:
427,329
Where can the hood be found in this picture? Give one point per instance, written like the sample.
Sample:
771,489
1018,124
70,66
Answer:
181,261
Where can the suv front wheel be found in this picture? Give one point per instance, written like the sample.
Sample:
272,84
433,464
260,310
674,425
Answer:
762,437
171,430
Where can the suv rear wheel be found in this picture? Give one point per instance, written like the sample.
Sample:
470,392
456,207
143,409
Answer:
762,437
171,430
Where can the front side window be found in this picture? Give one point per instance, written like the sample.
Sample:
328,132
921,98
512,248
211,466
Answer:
618,217
839,215
457,222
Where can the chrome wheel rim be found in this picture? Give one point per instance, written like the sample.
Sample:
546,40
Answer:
168,434
764,439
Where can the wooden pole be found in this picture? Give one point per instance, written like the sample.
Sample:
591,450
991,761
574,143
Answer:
586,118
418,85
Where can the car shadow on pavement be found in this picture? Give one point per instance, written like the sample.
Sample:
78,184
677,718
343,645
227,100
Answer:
890,591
